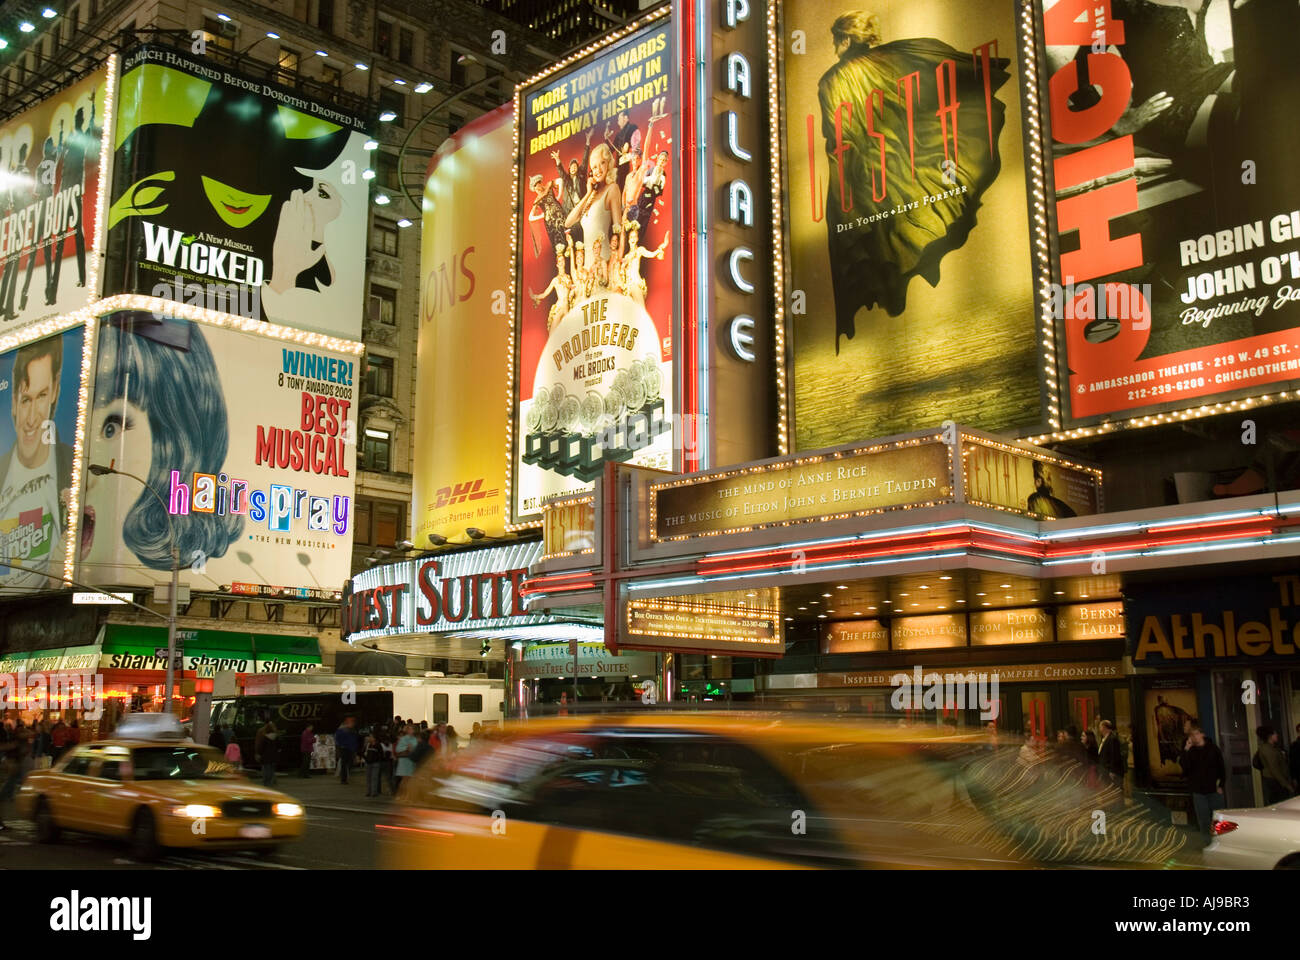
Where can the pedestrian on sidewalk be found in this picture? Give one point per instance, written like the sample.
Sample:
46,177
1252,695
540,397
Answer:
406,745
306,744
270,753
1202,764
346,742
387,764
1271,764
373,756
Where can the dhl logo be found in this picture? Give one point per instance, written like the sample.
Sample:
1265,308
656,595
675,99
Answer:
469,490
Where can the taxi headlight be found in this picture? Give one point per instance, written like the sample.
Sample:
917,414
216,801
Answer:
196,811
287,810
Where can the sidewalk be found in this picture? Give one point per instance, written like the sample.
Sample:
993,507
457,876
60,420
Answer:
324,792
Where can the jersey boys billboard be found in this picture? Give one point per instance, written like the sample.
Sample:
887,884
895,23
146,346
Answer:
1174,138
49,189
249,442
595,265
910,272
274,220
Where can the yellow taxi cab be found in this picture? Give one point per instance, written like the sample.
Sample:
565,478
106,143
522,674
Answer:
157,793
742,791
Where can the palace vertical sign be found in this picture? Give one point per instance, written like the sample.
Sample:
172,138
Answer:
741,155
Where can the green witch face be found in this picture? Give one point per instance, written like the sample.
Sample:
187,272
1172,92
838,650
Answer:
232,205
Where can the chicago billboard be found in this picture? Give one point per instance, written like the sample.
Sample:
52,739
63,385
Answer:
1173,137
910,281
39,385
49,191
595,257
271,226
248,442
458,478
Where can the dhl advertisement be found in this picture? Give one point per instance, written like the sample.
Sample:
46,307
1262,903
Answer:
911,277
459,475
248,447
39,384
595,266
271,225
49,189
1173,135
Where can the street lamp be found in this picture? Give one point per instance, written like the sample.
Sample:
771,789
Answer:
99,470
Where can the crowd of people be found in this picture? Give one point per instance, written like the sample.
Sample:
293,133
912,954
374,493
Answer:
25,747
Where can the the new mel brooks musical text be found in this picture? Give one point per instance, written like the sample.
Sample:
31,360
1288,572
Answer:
316,445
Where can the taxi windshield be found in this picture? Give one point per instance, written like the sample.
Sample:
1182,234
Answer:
181,763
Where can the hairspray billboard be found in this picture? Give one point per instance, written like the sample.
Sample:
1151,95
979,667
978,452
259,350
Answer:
39,385
458,478
910,273
595,260
1173,132
236,195
247,445
49,191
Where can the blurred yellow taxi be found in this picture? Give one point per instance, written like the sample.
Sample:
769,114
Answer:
735,791
157,793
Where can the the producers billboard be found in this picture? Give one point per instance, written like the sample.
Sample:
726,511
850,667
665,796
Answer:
595,258
459,475
910,281
1173,136
39,385
49,190
236,195
248,442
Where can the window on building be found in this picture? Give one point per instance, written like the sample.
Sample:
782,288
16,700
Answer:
454,122
406,46
383,304
384,37
386,170
388,523
288,61
325,15
458,75
471,703
94,9
72,22
330,76
218,34
361,533
383,238
379,376
376,453
392,100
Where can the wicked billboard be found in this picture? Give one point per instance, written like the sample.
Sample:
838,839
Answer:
1173,133
271,225
49,191
248,443
910,286
595,265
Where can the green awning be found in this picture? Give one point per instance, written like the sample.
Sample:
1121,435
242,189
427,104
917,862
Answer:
132,647
47,661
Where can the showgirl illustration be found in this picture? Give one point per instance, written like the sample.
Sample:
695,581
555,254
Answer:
873,263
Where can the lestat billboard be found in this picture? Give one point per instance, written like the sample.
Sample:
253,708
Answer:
910,282
594,262
465,321
1174,137
248,442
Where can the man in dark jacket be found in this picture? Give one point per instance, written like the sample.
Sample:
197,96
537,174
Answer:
1295,755
346,744
1110,758
1202,764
